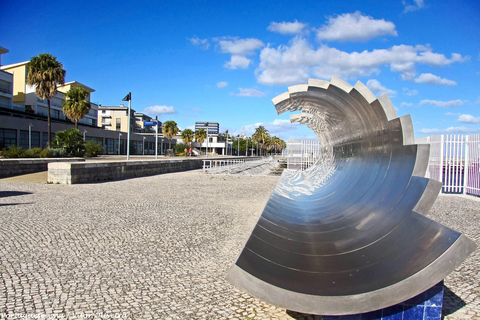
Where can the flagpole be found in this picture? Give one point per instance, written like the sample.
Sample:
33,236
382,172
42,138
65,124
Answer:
128,132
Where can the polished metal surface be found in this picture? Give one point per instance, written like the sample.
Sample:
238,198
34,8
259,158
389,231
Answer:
349,234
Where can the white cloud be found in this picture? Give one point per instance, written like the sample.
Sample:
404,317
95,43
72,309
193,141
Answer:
250,93
378,89
237,62
159,110
442,104
468,118
452,114
239,49
406,104
238,46
433,79
286,27
222,84
296,62
413,7
409,93
355,27
449,130
202,43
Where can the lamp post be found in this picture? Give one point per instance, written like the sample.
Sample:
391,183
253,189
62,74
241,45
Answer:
84,131
119,135
30,125
207,140
143,146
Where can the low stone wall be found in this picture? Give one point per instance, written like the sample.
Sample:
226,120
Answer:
15,167
78,172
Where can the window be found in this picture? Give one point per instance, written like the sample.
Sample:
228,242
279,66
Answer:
109,146
44,138
118,124
35,139
8,137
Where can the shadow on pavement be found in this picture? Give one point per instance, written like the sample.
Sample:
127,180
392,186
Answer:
4,194
451,302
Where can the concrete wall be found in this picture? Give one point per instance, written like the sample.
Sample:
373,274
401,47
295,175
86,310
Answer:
15,167
78,172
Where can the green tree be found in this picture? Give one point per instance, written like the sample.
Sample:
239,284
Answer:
169,130
187,136
76,105
71,140
200,136
180,148
242,143
45,72
261,135
277,144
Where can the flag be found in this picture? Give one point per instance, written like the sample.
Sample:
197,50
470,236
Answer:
128,97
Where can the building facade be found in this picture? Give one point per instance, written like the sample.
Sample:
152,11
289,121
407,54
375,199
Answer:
26,100
209,127
116,118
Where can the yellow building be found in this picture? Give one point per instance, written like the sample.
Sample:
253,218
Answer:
116,118
25,99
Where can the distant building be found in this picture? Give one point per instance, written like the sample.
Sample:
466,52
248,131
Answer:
116,118
140,127
210,127
6,85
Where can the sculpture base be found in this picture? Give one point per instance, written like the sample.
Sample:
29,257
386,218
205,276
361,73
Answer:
427,306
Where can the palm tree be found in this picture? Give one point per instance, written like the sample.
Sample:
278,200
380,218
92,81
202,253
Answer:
187,136
169,130
200,136
76,106
261,135
45,72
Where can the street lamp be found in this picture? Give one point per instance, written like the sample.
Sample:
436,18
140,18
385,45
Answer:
143,145
30,125
84,131
119,135
207,140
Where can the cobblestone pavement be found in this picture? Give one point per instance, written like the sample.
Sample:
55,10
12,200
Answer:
159,247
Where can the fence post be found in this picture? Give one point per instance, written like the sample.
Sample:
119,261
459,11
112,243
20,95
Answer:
465,168
442,141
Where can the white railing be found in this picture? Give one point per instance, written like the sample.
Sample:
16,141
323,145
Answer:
301,154
252,166
455,161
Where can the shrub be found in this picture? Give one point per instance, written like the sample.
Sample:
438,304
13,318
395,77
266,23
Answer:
33,153
57,153
180,148
14,152
45,153
93,149
71,140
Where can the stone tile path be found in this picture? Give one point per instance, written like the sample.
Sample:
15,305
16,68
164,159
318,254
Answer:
158,247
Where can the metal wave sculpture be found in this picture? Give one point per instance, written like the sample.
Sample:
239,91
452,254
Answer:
349,234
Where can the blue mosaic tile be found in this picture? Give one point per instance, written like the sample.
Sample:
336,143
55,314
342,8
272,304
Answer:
425,306
433,313
414,313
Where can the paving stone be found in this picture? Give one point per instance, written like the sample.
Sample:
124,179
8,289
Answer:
159,247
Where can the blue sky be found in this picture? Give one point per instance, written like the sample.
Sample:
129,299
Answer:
225,60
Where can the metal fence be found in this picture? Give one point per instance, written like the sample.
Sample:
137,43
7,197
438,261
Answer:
455,161
247,166
301,154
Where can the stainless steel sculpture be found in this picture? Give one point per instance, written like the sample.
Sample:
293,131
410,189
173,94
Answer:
349,235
